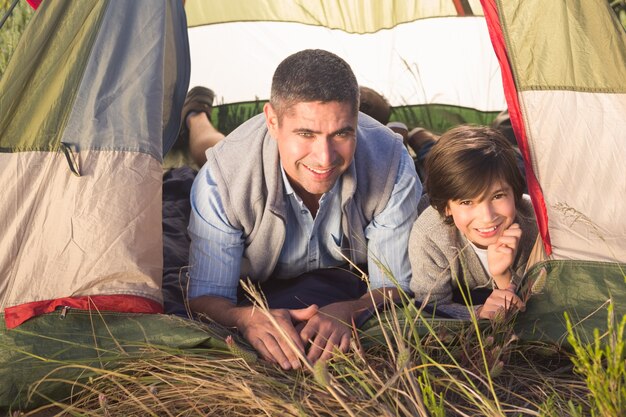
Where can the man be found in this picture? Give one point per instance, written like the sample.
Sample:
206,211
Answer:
291,194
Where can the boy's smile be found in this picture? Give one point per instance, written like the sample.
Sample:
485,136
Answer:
482,220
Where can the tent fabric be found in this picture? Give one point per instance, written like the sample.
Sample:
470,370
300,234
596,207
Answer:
394,47
567,98
353,16
42,359
86,113
582,289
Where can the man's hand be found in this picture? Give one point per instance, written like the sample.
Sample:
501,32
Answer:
271,342
500,255
328,329
500,300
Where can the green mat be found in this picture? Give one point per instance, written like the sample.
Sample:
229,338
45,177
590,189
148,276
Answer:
582,289
52,345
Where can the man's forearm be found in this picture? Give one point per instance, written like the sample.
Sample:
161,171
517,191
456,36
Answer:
367,301
221,310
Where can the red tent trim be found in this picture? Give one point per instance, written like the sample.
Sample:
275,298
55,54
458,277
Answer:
16,315
490,10
34,3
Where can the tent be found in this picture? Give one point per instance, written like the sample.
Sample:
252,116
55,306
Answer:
86,112
565,83
81,213
433,61
102,83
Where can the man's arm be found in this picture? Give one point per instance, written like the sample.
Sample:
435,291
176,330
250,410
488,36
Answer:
332,326
388,233
274,345
387,236
215,264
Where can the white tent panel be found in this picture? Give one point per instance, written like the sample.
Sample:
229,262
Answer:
565,149
405,64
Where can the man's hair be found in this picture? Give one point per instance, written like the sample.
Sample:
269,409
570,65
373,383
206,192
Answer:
465,162
313,75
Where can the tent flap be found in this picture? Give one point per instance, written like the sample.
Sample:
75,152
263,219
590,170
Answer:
100,82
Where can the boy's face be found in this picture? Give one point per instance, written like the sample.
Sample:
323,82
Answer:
316,142
482,220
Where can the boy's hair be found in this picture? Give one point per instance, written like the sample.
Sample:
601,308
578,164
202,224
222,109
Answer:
313,75
464,163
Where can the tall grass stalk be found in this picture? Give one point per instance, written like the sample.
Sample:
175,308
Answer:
602,363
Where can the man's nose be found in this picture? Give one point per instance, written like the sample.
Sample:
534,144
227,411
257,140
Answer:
324,151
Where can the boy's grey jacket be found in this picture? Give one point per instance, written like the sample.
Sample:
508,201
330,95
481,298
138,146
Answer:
440,254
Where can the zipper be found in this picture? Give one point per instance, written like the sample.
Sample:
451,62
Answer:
64,311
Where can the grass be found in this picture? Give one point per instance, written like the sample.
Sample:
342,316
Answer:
601,362
402,364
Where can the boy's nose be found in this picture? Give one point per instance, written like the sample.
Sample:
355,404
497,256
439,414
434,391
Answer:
487,212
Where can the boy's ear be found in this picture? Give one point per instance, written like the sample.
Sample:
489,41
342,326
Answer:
447,210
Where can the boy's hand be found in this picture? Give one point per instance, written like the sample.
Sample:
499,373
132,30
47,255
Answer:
500,255
500,300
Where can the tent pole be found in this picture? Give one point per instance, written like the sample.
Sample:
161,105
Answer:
8,13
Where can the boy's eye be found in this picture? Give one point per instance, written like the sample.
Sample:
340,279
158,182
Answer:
498,196
465,202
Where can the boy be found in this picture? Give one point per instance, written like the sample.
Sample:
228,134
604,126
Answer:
479,230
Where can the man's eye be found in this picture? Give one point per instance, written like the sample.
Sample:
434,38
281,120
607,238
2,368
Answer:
306,134
341,136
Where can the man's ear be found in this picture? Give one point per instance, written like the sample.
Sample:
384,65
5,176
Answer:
271,119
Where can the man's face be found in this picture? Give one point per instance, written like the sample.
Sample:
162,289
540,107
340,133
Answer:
316,142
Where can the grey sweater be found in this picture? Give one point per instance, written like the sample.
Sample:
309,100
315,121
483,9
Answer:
246,166
441,257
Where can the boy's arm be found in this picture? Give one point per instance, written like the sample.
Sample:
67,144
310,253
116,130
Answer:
500,257
431,253
500,299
